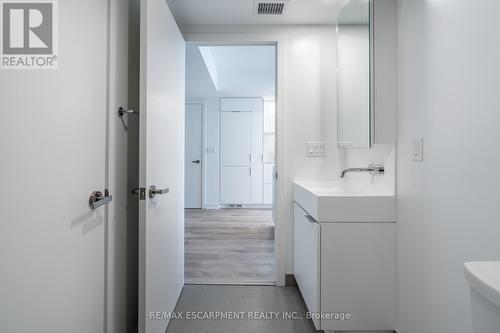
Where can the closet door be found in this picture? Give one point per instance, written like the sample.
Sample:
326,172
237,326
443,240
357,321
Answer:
257,158
236,139
236,153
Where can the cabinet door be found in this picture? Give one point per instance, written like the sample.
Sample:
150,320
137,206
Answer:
268,173
235,185
268,194
236,104
257,163
236,138
358,275
307,259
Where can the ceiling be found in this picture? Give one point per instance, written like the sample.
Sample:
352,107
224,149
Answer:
230,70
241,12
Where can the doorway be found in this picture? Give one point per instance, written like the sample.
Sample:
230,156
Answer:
230,164
194,156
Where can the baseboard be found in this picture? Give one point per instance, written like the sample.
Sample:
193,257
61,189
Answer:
212,206
246,206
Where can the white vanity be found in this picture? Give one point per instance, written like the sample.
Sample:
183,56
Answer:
345,231
345,255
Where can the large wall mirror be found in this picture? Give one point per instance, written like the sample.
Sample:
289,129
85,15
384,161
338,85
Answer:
354,76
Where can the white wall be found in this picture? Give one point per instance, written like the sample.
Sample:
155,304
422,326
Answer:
449,83
378,154
310,105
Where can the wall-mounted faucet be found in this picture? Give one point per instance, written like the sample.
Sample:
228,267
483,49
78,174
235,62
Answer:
373,169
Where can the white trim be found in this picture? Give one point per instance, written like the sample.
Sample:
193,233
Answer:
281,212
212,206
246,206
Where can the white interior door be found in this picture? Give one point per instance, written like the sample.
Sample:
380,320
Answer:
161,219
194,155
53,148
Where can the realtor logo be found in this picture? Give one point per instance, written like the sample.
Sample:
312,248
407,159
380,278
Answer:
28,34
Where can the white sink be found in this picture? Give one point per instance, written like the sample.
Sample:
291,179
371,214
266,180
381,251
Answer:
484,277
341,202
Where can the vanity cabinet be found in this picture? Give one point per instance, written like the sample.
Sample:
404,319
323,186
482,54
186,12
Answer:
307,237
346,268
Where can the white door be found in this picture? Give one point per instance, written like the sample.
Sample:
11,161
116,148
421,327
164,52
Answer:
53,148
194,155
236,157
257,157
235,185
161,219
236,139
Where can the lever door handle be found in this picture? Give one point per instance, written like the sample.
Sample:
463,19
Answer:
153,191
196,161
97,200
123,111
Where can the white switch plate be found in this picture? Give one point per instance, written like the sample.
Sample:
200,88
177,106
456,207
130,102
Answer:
417,149
315,149
211,150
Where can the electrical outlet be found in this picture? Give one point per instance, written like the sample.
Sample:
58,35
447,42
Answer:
315,149
417,149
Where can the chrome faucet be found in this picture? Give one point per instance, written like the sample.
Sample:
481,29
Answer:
373,169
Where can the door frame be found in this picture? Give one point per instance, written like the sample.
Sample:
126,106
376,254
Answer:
203,103
281,207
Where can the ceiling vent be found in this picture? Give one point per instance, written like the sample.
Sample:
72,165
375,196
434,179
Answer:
270,7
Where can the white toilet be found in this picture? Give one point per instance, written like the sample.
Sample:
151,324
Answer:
484,281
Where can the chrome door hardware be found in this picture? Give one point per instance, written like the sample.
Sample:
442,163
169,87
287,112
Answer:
196,161
122,110
153,191
141,191
311,219
373,169
97,199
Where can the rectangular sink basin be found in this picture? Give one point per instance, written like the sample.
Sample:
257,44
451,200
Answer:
338,202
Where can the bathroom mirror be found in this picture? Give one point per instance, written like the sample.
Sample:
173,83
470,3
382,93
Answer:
354,76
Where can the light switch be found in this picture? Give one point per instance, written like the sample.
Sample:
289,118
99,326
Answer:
211,150
417,153
315,149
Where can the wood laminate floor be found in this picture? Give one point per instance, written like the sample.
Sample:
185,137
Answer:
229,246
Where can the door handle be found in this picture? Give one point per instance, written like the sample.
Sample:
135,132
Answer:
196,161
97,200
311,219
153,191
123,111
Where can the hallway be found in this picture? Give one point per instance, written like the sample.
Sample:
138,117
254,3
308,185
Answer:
229,246
204,299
